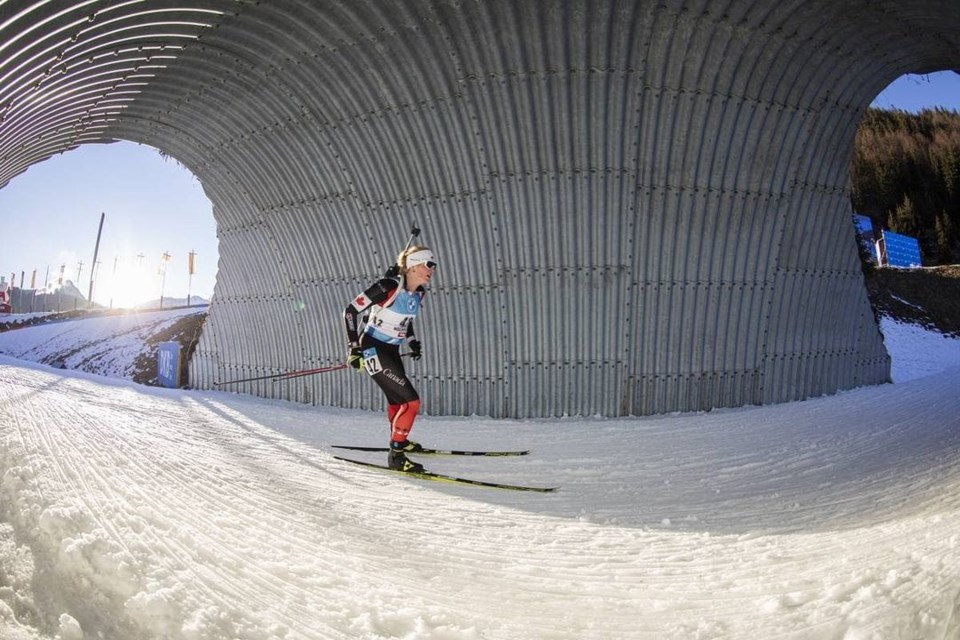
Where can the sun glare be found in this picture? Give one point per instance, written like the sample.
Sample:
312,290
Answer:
125,288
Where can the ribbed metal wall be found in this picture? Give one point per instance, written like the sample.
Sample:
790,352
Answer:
638,206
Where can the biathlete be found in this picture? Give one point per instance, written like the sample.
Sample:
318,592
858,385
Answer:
390,306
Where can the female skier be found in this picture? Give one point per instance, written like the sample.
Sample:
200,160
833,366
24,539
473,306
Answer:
393,303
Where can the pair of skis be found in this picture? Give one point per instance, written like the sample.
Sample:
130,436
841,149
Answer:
439,477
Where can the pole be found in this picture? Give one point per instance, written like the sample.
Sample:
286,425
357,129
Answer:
63,268
95,271
293,374
93,266
284,376
114,279
163,275
190,264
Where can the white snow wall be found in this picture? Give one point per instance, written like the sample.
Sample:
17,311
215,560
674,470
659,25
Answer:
639,206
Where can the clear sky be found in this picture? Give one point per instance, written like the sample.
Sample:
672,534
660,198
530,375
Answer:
914,93
154,206
51,212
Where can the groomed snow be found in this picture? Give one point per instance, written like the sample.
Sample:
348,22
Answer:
129,512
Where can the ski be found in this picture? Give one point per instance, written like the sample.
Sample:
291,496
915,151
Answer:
439,477
436,452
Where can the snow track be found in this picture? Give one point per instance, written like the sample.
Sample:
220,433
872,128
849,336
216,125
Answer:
149,513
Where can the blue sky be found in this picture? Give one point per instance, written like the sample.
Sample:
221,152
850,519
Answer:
916,92
154,206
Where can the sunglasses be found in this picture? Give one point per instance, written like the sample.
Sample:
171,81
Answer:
431,264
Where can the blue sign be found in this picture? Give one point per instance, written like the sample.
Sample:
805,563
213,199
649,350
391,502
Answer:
902,251
168,364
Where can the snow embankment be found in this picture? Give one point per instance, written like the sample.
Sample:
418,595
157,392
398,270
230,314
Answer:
917,351
107,345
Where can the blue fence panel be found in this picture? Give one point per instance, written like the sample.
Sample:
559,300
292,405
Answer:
863,224
865,236
902,251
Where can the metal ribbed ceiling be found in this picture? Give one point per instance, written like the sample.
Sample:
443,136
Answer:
638,206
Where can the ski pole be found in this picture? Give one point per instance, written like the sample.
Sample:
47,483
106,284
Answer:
280,376
294,374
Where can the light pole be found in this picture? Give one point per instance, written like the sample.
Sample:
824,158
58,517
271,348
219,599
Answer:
93,266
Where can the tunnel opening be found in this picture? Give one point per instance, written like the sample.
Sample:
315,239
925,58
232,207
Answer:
905,172
158,245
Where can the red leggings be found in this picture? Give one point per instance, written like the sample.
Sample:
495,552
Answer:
401,417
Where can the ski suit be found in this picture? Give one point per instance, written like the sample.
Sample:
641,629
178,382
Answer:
384,313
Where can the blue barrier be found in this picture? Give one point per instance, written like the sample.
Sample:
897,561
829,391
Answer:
901,251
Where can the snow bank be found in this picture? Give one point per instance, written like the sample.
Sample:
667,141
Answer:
917,351
106,345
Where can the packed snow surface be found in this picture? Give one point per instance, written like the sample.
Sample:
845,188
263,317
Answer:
129,512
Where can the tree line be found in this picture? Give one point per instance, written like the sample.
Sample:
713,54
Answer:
905,175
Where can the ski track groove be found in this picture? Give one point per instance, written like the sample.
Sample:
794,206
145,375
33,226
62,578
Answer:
256,586
90,427
229,483
178,557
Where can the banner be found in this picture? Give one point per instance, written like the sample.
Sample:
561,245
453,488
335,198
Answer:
168,364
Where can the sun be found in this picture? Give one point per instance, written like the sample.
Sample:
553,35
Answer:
126,288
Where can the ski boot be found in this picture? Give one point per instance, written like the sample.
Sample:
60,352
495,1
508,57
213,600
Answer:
398,461
407,446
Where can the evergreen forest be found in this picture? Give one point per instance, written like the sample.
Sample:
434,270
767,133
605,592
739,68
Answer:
905,175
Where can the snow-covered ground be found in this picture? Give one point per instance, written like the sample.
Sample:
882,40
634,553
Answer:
129,512
107,345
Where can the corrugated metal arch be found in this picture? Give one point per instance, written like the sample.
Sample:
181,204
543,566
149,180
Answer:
639,206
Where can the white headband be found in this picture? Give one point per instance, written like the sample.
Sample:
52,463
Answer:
420,257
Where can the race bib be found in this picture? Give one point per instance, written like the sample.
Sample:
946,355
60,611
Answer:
371,361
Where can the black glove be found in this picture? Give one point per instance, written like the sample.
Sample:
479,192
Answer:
416,350
355,359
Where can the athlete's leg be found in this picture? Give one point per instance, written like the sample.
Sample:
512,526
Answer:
382,361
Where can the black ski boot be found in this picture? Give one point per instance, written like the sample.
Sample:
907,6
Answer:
398,461
407,446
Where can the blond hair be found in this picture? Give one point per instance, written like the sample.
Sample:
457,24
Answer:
402,257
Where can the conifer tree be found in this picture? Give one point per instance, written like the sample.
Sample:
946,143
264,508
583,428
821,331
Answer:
905,175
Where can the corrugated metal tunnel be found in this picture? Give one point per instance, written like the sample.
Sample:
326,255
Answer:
638,206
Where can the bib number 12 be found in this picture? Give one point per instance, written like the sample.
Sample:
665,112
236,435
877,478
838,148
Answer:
371,361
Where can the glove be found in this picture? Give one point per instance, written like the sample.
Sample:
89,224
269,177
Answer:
355,359
416,350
